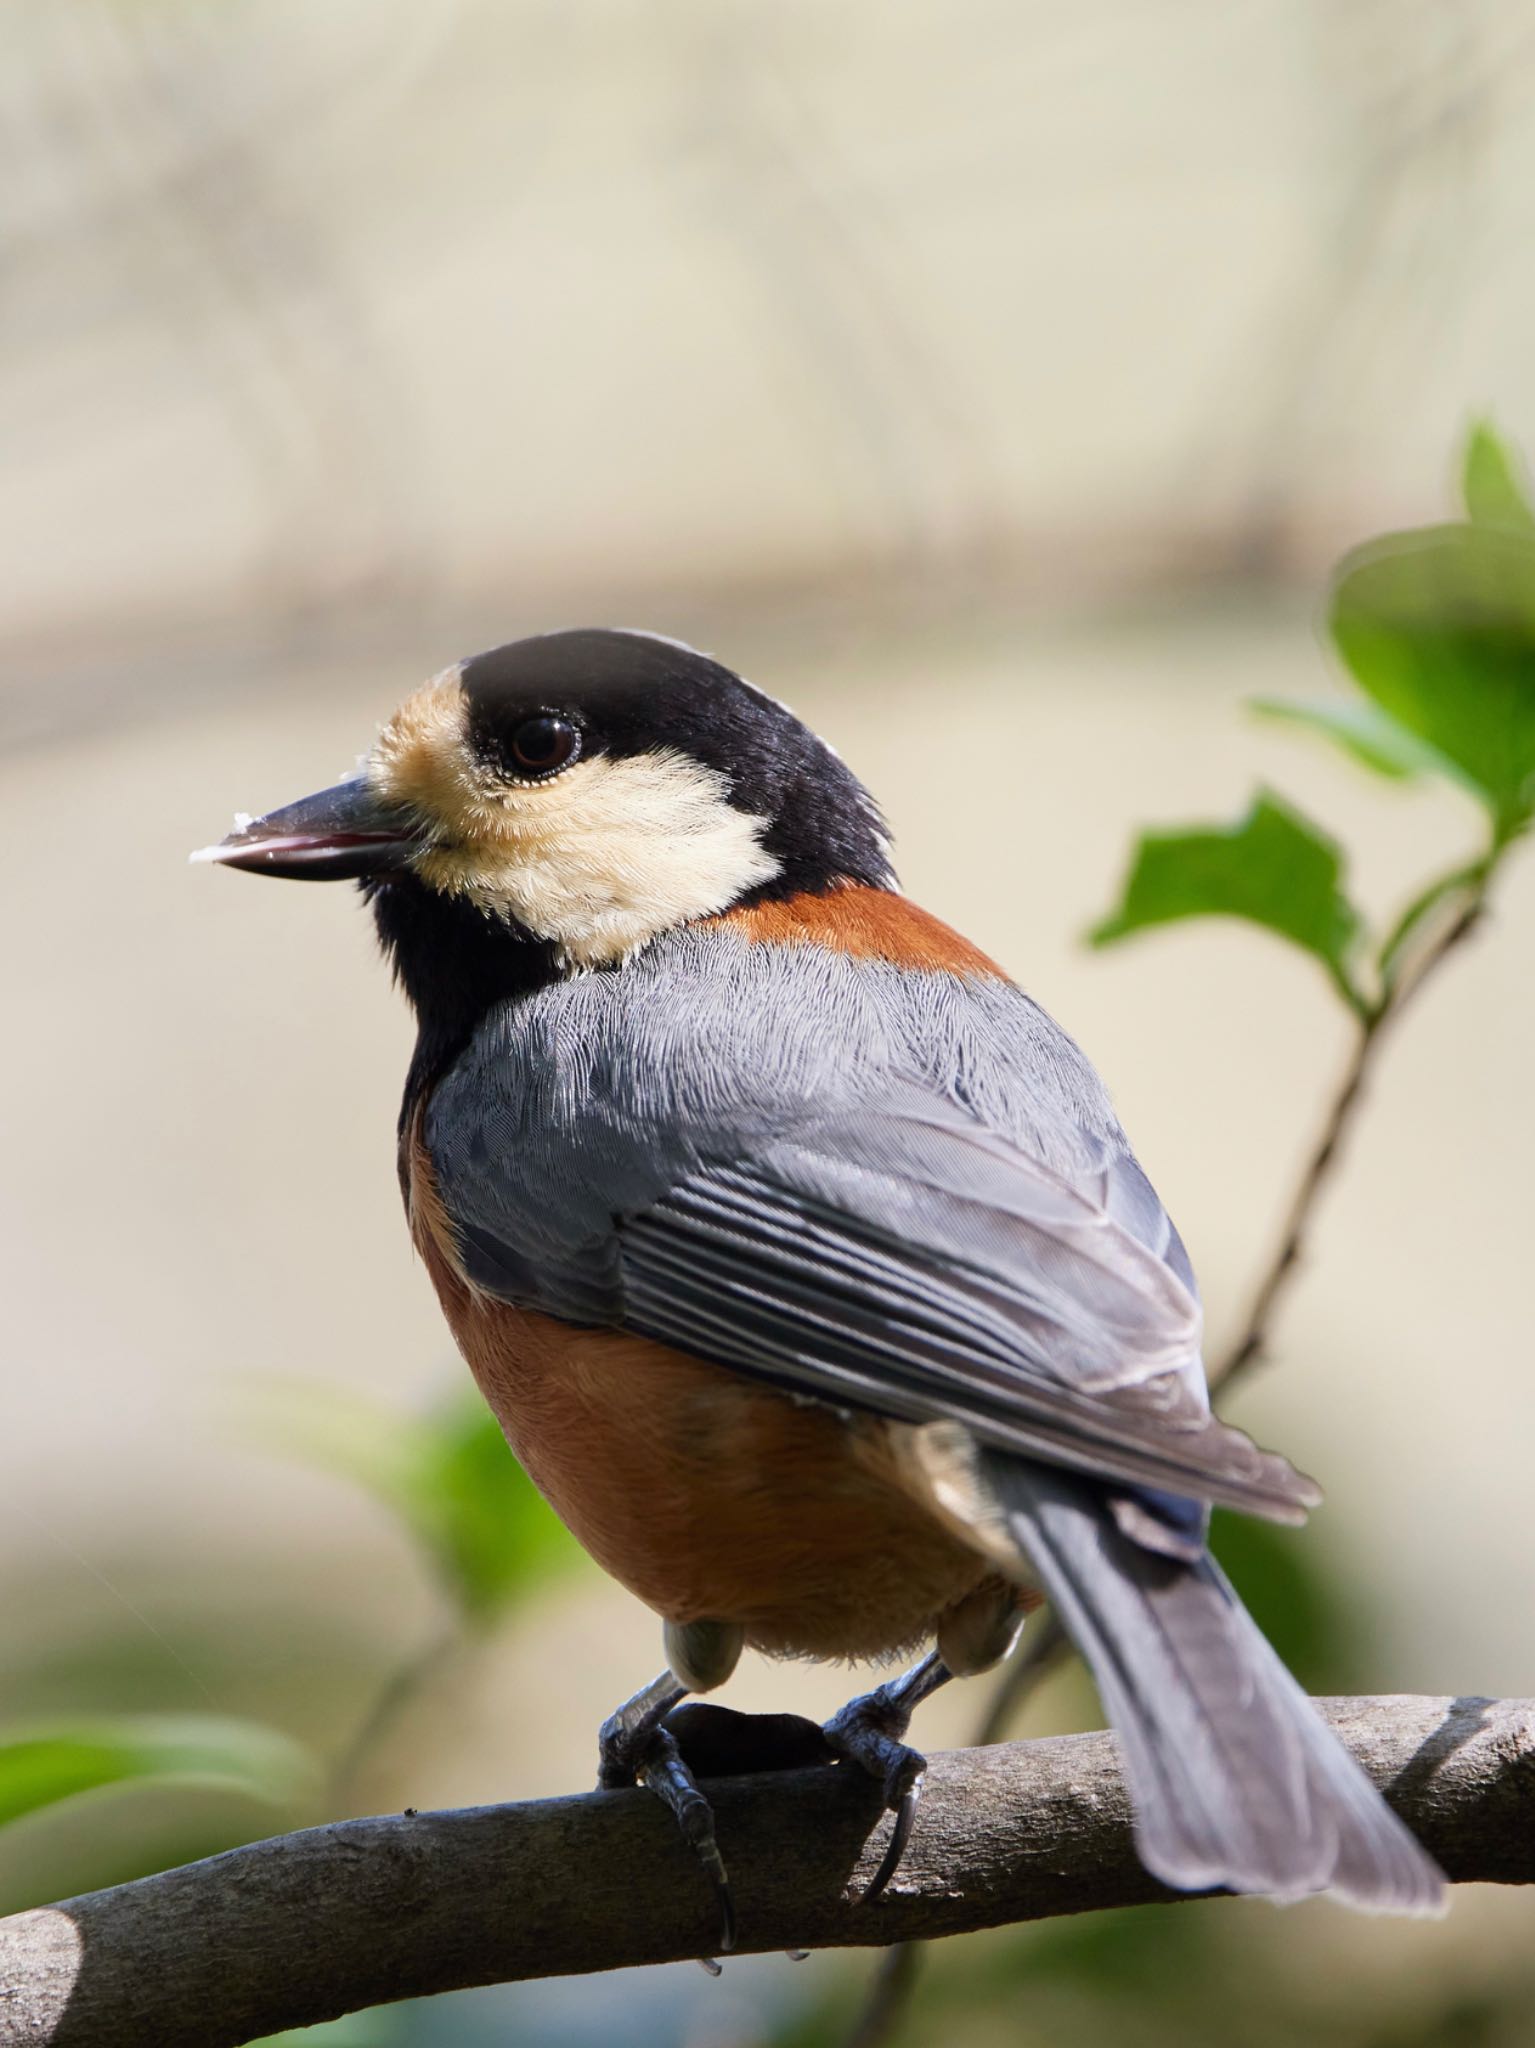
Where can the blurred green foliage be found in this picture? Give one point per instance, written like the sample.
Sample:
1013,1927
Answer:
447,1475
1493,482
1172,1977
40,1767
1283,1578
384,2027
1437,629
1375,741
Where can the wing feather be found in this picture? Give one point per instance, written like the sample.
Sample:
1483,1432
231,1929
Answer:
878,1187
749,1267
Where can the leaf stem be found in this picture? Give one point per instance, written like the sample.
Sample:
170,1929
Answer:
1470,881
1319,1168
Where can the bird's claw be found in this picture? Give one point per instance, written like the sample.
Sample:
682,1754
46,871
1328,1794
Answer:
635,1749
868,1732
665,1772
900,1834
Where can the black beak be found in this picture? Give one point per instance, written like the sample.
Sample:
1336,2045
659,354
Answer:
337,835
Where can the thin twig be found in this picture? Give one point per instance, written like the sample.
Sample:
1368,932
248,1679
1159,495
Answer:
1318,1170
1252,1342
887,1998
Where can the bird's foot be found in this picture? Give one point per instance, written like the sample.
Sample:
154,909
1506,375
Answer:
666,1772
625,1735
636,1747
867,1732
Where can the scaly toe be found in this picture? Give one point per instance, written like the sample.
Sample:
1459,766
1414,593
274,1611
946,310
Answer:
900,1834
867,1732
663,1771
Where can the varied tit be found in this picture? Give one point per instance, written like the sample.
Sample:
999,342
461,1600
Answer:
801,1256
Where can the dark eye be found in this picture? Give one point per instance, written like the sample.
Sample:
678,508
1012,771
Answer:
542,746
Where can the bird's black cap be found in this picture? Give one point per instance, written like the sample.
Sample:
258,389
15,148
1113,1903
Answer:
634,693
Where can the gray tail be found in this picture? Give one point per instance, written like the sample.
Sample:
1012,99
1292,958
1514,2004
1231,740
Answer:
1236,1780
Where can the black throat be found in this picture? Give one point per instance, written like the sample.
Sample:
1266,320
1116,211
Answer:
455,963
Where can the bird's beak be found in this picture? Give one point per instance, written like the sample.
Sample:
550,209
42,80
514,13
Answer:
337,835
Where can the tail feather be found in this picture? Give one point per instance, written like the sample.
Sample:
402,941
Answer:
1237,1781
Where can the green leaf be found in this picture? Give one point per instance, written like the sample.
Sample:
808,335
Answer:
1438,629
1493,483
498,1535
41,1766
1272,868
1361,730
447,1475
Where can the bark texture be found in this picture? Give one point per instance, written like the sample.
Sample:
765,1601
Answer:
307,1926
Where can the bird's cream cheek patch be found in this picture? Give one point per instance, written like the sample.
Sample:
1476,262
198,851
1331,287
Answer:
597,860
610,853
423,759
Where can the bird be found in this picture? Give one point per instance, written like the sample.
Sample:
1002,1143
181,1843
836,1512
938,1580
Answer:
801,1255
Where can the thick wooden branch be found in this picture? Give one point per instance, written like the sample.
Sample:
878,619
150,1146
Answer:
305,1927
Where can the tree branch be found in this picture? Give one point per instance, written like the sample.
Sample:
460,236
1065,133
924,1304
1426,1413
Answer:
305,1927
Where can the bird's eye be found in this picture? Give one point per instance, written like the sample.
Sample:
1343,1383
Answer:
543,746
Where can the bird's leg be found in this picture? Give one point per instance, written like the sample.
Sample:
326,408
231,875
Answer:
972,1636
868,1733
635,1744
626,1735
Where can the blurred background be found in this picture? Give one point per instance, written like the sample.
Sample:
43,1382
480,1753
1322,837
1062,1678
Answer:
994,382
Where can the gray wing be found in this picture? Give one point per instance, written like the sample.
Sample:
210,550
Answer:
908,1260
882,1189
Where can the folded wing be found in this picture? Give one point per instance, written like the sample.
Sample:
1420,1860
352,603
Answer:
908,1260
887,1189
